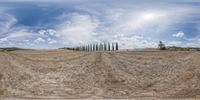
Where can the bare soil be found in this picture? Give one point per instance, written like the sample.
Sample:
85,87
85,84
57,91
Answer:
62,74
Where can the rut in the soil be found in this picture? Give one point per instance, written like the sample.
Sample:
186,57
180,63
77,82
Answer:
115,75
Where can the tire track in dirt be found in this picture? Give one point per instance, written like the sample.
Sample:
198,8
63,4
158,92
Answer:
88,86
17,77
138,83
109,81
97,75
73,57
122,83
163,79
67,82
143,78
39,77
73,82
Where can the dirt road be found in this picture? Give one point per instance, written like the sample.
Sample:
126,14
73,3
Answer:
61,74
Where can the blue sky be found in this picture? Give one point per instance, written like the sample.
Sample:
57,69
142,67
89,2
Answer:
46,24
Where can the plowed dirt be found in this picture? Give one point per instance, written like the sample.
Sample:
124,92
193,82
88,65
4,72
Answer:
62,74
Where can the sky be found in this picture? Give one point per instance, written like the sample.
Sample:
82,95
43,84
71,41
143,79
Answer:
50,24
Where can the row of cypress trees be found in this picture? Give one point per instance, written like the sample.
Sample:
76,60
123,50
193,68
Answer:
98,47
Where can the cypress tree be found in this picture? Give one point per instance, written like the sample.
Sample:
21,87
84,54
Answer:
94,47
91,47
108,46
117,47
100,47
105,48
88,47
113,48
97,49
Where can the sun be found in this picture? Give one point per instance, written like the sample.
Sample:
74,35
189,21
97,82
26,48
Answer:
150,16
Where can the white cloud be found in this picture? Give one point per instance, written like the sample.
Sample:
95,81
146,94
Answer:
131,26
178,35
49,39
49,32
16,36
153,23
19,34
174,43
39,40
42,32
26,40
79,29
135,42
52,42
192,44
6,21
4,39
85,28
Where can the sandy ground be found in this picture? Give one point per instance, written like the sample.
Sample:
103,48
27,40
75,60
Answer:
61,74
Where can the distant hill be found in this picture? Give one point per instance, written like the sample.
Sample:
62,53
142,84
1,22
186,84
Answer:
184,48
66,48
12,49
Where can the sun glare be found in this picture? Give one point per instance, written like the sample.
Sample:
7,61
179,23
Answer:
150,16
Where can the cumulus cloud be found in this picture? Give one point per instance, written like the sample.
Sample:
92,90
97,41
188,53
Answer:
84,28
136,42
50,32
133,27
52,42
3,40
178,35
174,43
18,34
139,22
39,40
42,32
79,29
8,30
192,44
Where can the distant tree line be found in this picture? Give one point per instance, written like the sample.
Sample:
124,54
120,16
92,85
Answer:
162,46
97,47
12,49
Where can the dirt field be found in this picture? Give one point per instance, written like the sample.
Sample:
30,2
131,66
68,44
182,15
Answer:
61,74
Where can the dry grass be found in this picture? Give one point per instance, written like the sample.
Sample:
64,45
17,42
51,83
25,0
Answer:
116,75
